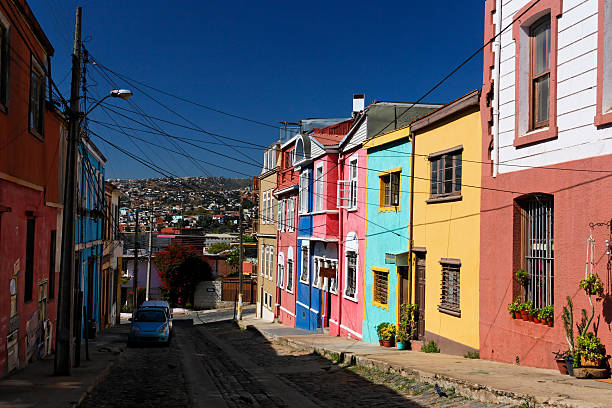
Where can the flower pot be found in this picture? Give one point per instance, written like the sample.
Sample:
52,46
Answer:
403,345
517,315
569,362
388,343
589,363
535,319
524,315
562,365
380,342
550,323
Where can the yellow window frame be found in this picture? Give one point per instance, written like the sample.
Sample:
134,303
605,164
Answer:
384,306
381,190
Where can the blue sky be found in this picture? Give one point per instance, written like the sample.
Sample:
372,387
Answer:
269,61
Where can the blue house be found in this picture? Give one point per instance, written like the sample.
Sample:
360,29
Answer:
89,233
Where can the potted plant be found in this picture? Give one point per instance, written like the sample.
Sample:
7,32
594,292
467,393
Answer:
546,315
379,329
407,325
533,313
592,285
568,324
526,310
388,335
521,276
561,360
515,307
590,350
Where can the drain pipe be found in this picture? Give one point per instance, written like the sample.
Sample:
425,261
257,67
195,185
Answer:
341,244
496,74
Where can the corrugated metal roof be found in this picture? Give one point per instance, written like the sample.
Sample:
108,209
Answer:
332,135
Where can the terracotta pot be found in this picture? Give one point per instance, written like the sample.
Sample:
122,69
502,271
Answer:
589,363
550,323
535,319
388,343
524,315
562,365
517,315
380,341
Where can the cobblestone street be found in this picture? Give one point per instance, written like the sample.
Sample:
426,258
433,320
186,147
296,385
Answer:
217,364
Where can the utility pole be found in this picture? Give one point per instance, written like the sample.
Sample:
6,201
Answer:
135,277
149,263
240,262
62,363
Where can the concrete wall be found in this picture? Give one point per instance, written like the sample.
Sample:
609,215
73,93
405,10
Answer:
208,295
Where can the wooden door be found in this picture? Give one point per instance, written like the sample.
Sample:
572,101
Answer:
404,284
420,292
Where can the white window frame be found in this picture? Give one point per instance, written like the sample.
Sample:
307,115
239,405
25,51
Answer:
353,182
318,202
279,216
290,213
271,215
280,270
351,245
304,267
291,272
304,185
333,288
262,262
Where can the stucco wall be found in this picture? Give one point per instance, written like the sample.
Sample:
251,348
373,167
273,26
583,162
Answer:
450,229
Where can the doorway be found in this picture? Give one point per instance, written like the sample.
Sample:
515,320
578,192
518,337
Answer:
420,292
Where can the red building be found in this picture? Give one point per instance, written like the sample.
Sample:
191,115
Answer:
31,174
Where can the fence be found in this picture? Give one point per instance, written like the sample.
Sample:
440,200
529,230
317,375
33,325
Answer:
230,290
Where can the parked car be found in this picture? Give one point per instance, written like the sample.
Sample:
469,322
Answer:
149,325
159,304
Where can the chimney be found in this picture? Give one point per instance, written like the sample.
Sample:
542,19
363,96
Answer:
358,103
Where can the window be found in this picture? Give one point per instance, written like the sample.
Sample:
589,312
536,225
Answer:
304,272
280,271
319,188
37,98
449,299
290,269
537,248
304,191
603,114
353,183
290,214
445,173
535,35
380,287
262,260
271,200
539,76
350,290
280,222
298,152
29,260
4,64
270,262
331,284
389,189
52,246
316,277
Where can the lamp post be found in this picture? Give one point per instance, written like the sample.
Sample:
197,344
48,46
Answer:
65,309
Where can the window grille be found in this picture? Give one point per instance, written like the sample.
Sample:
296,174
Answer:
539,250
351,274
381,281
450,297
289,275
280,274
304,272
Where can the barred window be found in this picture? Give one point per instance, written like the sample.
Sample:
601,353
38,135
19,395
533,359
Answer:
446,174
289,275
351,274
537,230
450,297
380,286
304,272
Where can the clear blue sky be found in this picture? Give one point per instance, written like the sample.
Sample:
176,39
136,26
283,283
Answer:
269,61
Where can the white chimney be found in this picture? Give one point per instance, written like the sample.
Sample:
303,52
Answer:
358,103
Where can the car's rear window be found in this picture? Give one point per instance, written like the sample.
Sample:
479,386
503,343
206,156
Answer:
150,316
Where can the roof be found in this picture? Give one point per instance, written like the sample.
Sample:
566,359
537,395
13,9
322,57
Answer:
470,99
333,135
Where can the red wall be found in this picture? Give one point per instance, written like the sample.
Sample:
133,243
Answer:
580,197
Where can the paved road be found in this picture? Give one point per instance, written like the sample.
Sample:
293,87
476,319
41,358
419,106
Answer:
219,365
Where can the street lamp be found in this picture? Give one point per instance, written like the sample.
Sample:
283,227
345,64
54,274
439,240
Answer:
124,94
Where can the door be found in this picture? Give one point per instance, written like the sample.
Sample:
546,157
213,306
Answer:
420,292
404,284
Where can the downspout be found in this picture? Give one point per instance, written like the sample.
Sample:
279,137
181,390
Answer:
411,226
496,75
341,245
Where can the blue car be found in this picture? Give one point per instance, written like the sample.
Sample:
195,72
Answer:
149,326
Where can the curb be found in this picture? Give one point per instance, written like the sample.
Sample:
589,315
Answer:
99,378
474,391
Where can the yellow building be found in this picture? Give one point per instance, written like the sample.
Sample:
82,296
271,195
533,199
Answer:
446,223
266,235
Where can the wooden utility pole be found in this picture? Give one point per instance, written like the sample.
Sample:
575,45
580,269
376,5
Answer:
149,263
240,262
135,277
62,363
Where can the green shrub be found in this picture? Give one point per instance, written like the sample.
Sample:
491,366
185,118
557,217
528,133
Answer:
472,355
430,347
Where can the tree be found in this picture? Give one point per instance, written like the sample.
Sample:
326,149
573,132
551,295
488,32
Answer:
181,268
218,247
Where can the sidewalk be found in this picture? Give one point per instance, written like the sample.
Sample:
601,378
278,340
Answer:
482,380
36,386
